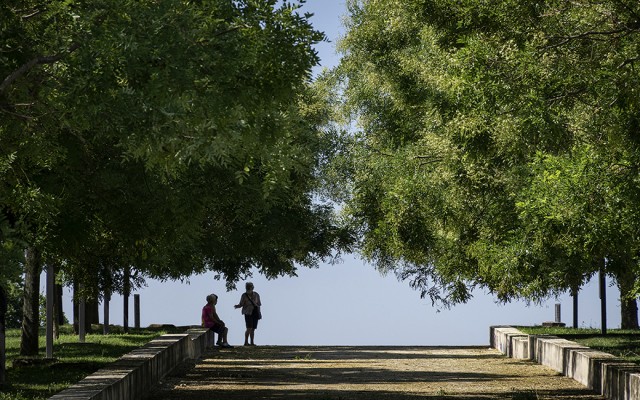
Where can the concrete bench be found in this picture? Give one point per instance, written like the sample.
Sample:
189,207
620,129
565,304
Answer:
131,376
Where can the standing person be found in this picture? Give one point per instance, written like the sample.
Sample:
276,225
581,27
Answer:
250,303
211,320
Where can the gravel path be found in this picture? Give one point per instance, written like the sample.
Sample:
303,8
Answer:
344,373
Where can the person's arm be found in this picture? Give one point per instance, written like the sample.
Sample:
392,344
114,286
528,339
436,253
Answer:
214,316
241,303
258,303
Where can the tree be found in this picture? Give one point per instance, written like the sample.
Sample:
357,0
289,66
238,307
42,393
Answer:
125,149
463,107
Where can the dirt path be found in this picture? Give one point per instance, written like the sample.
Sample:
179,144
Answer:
345,373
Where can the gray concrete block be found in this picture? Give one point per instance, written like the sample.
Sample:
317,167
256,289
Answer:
585,366
200,339
634,386
520,347
616,380
501,337
493,332
554,352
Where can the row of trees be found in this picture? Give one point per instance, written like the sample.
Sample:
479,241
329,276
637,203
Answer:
157,139
499,144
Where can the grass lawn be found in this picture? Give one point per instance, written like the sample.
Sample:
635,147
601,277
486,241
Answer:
621,343
74,361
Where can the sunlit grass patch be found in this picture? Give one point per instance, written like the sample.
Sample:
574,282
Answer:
74,361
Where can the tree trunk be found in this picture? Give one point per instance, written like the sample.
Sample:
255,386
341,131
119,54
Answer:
92,315
3,349
76,300
59,308
628,305
31,305
58,312
58,317
82,331
629,310
603,297
126,291
105,316
50,317
574,293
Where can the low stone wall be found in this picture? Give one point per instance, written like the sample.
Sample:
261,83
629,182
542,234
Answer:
131,376
607,375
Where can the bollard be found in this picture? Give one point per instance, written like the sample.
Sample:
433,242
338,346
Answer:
105,312
136,311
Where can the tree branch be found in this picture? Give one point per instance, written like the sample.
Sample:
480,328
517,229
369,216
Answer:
567,39
32,63
427,160
628,8
21,116
373,149
231,29
33,14
628,61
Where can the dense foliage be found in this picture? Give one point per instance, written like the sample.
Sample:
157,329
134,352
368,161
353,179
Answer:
187,140
159,139
497,143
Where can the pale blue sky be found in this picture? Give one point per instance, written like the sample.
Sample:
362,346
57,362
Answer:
349,303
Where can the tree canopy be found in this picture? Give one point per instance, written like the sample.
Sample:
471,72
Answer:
180,144
496,146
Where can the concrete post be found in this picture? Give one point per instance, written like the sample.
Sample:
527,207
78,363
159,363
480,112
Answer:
107,299
558,313
125,299
136,311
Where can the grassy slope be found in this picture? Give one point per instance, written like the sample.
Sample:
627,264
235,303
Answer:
74,361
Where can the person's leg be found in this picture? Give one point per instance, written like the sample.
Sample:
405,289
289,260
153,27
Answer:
254,326
247,332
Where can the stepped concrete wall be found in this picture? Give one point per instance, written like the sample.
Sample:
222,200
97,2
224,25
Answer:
604,373
135,373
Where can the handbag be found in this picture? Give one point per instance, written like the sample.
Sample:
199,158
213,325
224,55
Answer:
256,308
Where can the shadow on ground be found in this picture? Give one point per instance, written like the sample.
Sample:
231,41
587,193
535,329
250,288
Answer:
390,373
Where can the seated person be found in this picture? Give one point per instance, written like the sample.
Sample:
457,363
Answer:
211,321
